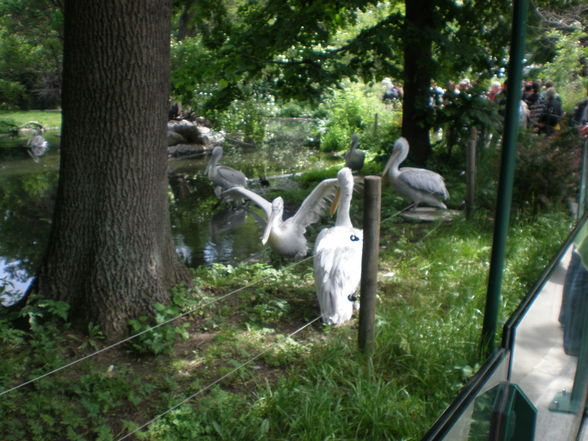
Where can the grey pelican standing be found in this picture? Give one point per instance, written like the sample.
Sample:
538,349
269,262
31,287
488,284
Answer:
221,176
337,260
419,185
354,158
286,237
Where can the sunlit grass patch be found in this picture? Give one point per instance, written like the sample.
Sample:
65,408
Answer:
50,119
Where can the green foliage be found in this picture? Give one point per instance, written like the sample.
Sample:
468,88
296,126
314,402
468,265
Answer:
270,312
30,53
185,85
546,174
160,340
567,69
469,109
297,109
218,416
245,119
12,95
8,126
41,313
547,171
357,108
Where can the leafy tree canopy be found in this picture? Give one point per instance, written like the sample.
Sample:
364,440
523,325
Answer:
31,43
298,47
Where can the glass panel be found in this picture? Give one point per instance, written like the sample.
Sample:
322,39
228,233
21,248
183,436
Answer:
542,365
474,417
542,362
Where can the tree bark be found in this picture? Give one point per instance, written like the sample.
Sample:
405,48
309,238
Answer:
110,252
417,78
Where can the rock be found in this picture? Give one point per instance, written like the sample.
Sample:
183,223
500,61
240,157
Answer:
188,138
187,129
193,133
174,138
184,150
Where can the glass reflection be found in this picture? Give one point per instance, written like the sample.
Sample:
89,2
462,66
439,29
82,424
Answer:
475,420
547,344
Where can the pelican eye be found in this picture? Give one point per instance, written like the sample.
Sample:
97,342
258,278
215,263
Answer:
353,238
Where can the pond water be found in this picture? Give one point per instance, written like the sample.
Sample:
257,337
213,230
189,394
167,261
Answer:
205,230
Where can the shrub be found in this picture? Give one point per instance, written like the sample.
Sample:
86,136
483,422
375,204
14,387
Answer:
13,95
547,170
355,108
160,340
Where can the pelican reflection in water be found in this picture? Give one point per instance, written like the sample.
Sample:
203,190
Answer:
419,185
337,260
37,146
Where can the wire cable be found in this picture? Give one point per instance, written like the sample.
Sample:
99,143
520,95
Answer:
171,320
126,340
215,382
398,213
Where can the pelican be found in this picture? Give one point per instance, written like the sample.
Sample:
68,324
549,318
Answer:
286,237
354,158
221,176
337,260
417,184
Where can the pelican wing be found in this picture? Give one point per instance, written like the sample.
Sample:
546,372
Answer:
315,204
265,205
229,177
424,180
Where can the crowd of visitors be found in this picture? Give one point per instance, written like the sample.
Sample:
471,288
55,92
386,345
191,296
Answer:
540,109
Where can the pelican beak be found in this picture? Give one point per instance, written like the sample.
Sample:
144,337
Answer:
389,163
335,203
268,227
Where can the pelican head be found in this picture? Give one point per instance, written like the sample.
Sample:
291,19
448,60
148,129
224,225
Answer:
277,213
354,141
345,179
399,154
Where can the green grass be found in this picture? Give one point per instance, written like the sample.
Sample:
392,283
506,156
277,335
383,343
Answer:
315,386
50,119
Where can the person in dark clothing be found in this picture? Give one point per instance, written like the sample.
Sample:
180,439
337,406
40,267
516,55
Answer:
551,114
535,103
580,114
575,295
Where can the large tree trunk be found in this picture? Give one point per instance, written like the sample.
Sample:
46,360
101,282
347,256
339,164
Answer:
417,78
110,253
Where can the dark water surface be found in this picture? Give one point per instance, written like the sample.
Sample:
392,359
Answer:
205,231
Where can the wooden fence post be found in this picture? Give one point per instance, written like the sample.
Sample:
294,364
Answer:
369,264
